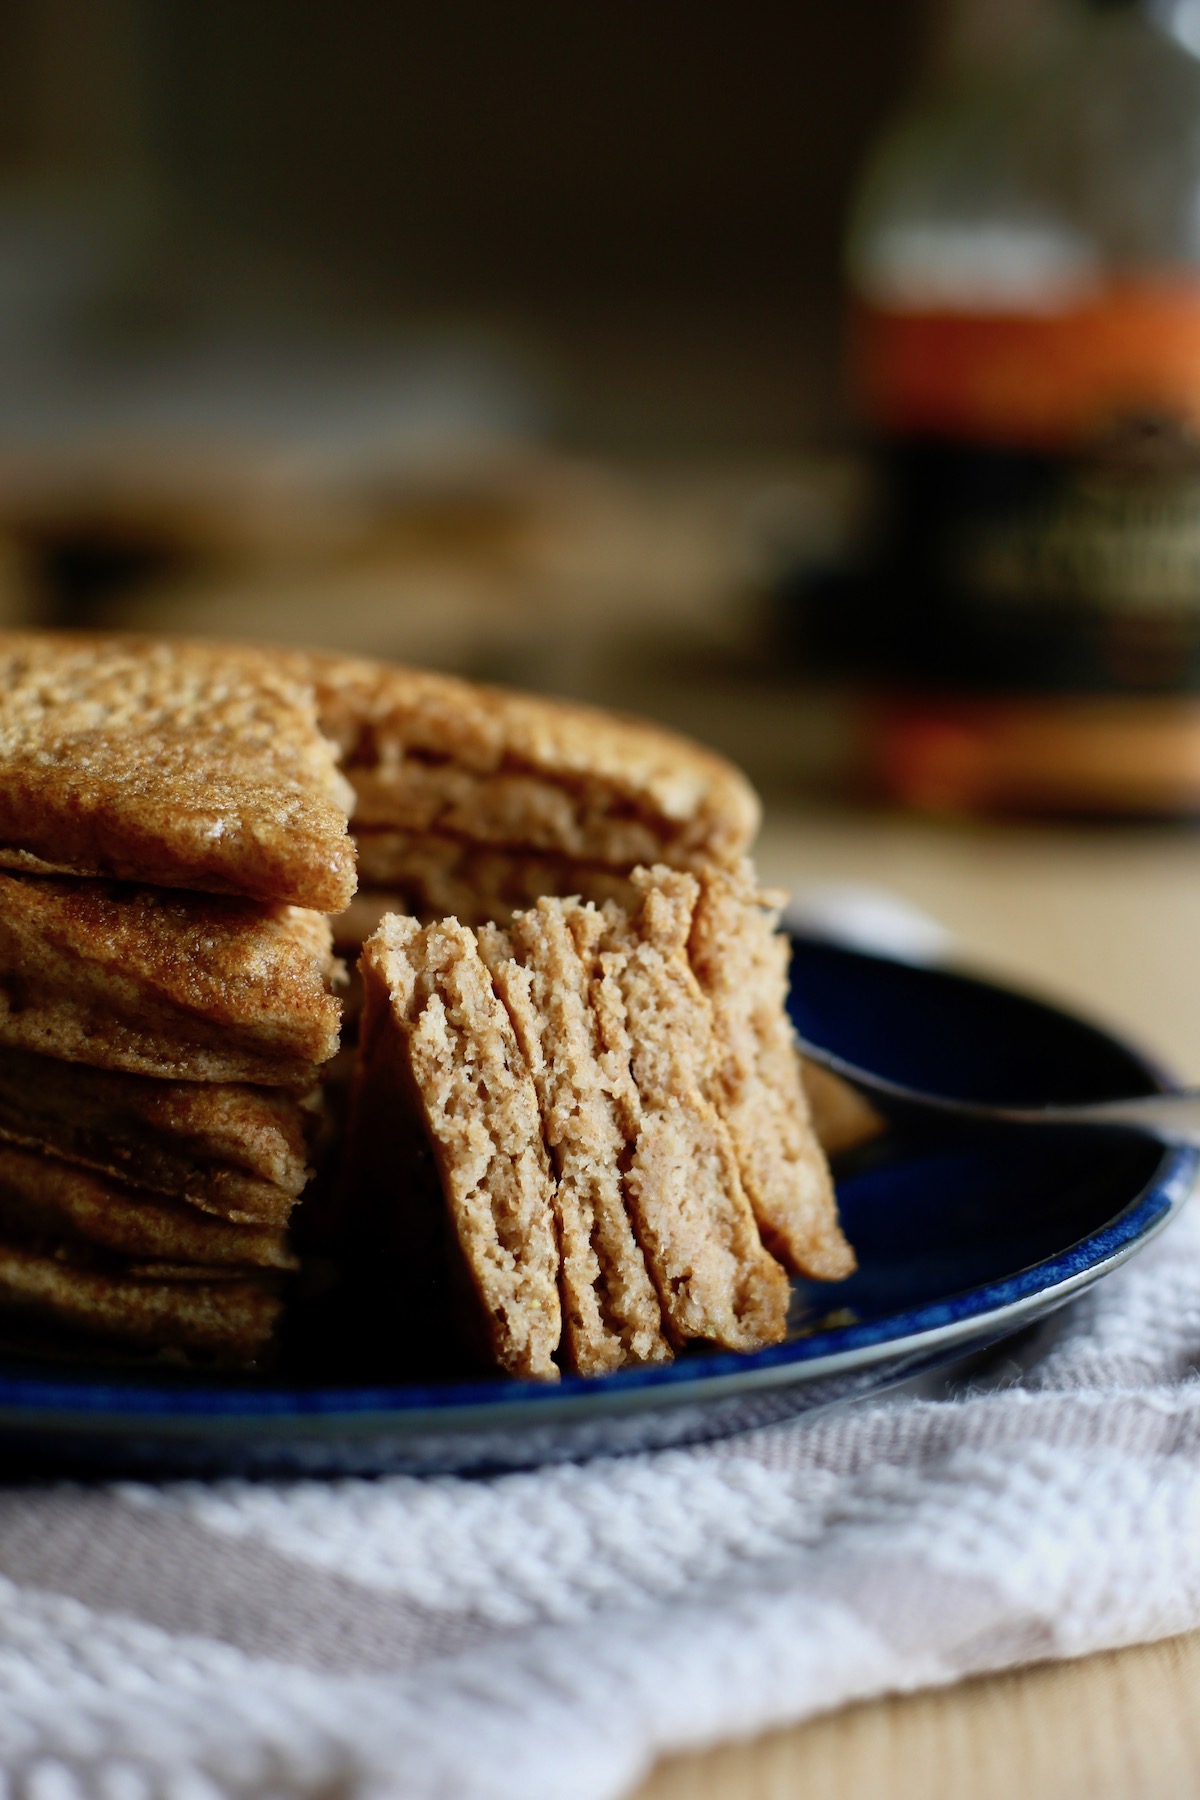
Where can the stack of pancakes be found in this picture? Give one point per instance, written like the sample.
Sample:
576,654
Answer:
588,1128
182,827
173,831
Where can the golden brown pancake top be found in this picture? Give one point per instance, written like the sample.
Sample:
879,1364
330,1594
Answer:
182,765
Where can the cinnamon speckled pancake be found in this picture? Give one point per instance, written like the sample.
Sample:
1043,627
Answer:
235,1151
209,1313
441,1068
741,962
183,765
683,1183
611,1311
214,767
185,987
430,754
41,1197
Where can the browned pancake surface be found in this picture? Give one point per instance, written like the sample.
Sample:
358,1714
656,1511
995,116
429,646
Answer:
181,986
236,1151
209,1313
41,1197
175,764
204,766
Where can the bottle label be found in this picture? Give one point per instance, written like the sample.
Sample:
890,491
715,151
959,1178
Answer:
1044,480
1049,380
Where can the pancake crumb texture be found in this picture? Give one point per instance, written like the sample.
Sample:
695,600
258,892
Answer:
433,875
611,1309
608,1051
480,1113
716,1279
741,962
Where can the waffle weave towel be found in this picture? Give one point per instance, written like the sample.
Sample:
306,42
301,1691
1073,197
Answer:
544,1636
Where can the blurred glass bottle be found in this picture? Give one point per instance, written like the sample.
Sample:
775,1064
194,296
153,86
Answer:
1024,265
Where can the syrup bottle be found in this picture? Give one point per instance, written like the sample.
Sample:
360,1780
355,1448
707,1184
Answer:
1024,267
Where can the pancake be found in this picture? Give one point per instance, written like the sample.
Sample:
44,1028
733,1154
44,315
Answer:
611,1310
682,1180
178,986
41,1197
213,767
741,963
172,764
441,1074
235,1151
211,1314
173,829
644,1087
431,755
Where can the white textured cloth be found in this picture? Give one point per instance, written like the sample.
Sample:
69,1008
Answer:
544,1636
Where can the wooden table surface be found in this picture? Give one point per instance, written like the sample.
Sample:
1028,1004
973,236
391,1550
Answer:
1107,921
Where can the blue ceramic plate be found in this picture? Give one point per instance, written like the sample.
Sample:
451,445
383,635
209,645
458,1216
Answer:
960,1242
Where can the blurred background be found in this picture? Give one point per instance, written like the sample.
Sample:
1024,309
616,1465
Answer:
527,341
506,339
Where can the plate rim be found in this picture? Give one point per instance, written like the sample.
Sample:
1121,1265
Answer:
530,1403
105,1405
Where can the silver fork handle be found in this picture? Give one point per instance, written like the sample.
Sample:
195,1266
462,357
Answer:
1172,1118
